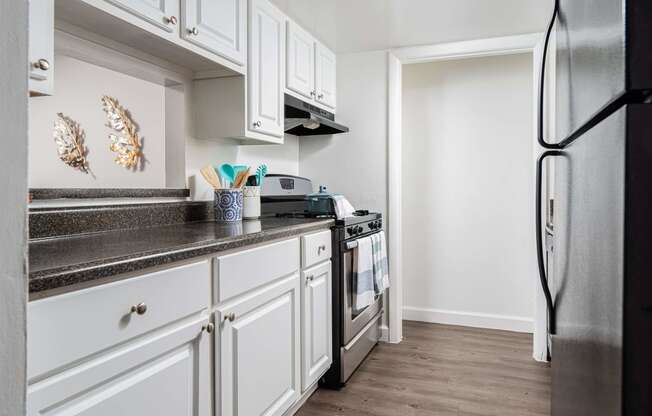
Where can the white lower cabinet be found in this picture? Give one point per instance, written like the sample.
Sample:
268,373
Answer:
258,341
164,374
316,322
143,345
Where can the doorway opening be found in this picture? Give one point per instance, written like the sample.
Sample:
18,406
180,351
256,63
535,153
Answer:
462,152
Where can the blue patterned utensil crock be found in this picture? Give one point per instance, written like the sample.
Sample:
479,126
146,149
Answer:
228,205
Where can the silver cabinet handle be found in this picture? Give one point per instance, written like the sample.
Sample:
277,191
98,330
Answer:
210,327
257,123
193,31
140,309
309,279
320,249
229,317
42,64
172,20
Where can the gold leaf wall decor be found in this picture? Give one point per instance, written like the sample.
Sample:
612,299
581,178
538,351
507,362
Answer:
69,138
127,145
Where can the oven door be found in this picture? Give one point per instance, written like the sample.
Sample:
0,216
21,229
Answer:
353,321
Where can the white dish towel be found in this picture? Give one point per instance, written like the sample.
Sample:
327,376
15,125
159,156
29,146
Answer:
372,272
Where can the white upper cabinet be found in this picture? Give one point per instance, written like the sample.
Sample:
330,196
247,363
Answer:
310,68
218,26
163,14
325,79
300,61
266,75
41,47
316,321
258,370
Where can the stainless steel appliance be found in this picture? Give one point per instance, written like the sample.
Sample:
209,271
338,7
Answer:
355,332
304,119
600,303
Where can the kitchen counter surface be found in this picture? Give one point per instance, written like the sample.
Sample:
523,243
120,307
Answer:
58,263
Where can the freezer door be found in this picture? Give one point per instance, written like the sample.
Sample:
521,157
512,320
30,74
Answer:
590,60
589,271
603,54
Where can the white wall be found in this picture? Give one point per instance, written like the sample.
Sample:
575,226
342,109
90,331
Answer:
164,116
78,89
468,187
278,158
354,163
13,182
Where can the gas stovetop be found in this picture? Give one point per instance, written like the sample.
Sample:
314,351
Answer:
362,221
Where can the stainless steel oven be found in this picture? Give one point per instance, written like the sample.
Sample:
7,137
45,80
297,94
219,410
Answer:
355,332
354,321
360,328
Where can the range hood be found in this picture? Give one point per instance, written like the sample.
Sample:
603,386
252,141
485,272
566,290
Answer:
303,119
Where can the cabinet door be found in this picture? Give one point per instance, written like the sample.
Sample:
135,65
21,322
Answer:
166,373
316,323
218,26
163,14
300,66
259,351
266,75
41,47
326,67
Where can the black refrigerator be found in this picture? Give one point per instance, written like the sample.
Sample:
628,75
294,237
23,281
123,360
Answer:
600,297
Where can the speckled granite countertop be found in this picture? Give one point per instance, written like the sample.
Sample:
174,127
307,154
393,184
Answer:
57,263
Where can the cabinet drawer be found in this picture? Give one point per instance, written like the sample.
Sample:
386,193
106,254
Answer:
240,272
66,328
315,248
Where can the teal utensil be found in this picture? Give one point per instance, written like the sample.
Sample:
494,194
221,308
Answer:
227,172
261,172
239,168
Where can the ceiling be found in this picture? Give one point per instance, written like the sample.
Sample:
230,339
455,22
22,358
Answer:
363,25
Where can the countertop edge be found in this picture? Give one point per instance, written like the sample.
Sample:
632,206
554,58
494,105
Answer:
61,277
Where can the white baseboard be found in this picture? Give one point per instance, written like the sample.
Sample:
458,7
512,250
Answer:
471,319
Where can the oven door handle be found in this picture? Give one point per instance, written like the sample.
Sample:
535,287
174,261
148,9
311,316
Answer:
351,244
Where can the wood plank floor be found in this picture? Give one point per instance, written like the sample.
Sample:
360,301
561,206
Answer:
443,370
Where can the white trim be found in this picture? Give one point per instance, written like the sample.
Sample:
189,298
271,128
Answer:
470,319
394,219
505,45
497,46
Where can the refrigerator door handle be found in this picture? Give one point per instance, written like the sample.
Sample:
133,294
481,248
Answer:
542,82
552,324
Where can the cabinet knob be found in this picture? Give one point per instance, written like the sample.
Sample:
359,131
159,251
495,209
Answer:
210,327
42,64
309,279
229,317
312,93
320,249
172,20
140,309
258,124
193,31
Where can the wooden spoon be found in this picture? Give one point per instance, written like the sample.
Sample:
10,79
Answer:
242,178
211,177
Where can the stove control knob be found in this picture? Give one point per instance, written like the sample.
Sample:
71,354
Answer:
372,225
350,231
360,229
